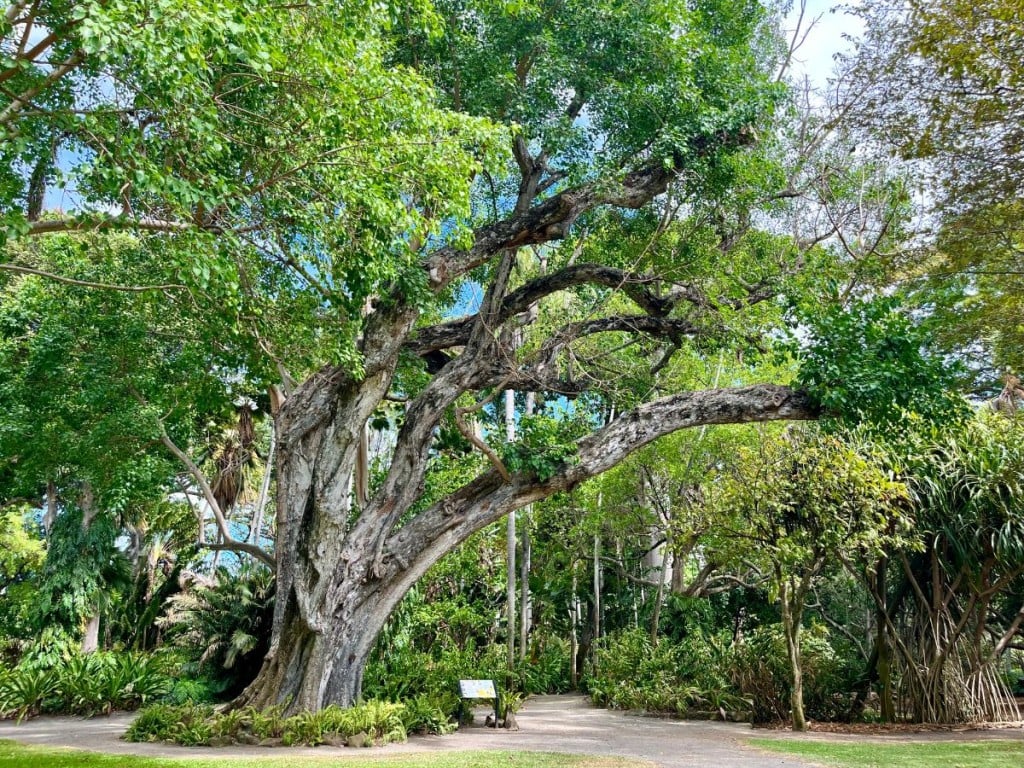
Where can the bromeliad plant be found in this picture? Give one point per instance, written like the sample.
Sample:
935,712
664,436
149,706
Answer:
83,685
373,722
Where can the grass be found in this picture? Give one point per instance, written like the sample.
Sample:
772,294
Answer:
944,754
13,755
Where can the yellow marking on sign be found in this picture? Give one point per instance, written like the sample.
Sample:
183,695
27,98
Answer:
477,689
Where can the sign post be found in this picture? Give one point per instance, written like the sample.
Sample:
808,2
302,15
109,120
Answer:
480,689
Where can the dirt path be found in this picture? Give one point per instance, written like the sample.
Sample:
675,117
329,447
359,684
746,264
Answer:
547,724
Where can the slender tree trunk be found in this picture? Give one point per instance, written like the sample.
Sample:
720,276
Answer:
525,620
597,581
883,646
261,501
659,598
510,544
525,606
91,636
50,516
574,646
791,616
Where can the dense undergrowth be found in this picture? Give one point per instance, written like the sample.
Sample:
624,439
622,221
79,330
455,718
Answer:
367,724
718,676
92,684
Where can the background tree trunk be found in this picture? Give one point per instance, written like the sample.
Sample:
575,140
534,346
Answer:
791,615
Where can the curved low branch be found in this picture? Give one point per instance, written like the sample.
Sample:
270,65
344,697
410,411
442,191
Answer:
415,547
208,496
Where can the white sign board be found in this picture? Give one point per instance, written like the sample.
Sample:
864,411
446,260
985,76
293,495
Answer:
477,689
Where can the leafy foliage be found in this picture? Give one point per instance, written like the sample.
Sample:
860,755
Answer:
869,362
225,626
372,722
82,566
543,445
759,668
83,685
690,676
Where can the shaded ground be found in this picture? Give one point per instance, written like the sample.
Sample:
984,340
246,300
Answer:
547,724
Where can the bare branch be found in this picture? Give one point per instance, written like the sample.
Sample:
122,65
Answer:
24,98
456,333
547,221
209,497
90,284
468,433
15,8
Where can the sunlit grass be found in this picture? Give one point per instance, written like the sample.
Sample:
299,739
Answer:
938,754
14,755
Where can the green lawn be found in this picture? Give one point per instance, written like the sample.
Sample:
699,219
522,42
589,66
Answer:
14,755
951,754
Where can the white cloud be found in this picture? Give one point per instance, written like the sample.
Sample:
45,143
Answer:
828,36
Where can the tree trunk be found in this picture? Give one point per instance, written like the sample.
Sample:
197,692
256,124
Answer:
91,638
256,530
510,546
342,570
525,618
659,599
525,606
597,581
574,611
883,646
50,515
791,616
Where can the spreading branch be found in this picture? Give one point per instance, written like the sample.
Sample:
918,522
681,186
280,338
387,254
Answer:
456,332
488,498
548,221
89,283
97,223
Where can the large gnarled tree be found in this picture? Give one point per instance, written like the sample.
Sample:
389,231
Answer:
305,172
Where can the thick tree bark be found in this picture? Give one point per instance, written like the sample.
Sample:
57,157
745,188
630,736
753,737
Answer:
342,571
343,566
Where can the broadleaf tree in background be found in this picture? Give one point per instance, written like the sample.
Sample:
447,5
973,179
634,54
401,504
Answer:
938,85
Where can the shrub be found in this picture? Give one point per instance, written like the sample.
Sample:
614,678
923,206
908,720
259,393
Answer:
25,693
760,669
194,691
165,722
680,678
82,685
430,714
225,628
382,722
268,723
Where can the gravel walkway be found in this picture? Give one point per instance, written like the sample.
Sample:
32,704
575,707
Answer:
547,724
